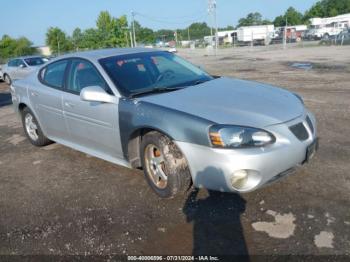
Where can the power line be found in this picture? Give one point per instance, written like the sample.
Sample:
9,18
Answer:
202,16
176,17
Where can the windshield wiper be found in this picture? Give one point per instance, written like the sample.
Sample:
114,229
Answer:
158,89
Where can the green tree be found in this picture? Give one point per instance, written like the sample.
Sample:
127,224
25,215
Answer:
58,41
143,34
253,19
227,28
196,30
164,35
292,16
317,10
279,21
328,8
78,39
106,25
112,31
10,47
91,39
122,31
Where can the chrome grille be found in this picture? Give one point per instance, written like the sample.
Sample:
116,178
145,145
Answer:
299,131
308,120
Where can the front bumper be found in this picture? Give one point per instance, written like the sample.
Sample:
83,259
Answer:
213,168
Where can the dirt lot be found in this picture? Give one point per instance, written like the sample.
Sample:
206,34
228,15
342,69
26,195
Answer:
56,200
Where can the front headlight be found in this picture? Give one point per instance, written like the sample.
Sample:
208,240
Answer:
227,136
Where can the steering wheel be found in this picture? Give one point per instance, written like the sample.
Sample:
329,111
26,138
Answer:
166,74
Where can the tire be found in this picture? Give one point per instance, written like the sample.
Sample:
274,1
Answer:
168,160
34,135
7,79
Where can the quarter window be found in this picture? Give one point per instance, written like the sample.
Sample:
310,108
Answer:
53,74
83,74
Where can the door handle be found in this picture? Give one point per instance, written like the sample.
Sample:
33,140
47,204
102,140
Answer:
34,93
68,104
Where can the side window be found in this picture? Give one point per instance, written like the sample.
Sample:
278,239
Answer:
53,74
20,63
13,63
83,74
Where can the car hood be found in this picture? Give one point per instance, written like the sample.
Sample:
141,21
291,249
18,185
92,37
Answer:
232,101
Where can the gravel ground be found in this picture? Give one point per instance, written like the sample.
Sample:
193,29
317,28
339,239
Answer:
55,200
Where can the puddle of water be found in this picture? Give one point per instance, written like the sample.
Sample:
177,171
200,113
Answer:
304,66
318,66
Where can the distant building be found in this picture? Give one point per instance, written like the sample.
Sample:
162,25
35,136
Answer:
44,50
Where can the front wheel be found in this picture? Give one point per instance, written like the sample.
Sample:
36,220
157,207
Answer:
32,129
165,168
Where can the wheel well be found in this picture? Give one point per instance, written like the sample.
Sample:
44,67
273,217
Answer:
134,143
21,106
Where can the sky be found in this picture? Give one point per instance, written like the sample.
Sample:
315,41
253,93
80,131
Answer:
32,18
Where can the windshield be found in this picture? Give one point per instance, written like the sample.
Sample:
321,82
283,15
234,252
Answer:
144,72
34,61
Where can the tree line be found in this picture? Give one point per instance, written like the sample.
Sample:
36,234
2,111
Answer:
113,32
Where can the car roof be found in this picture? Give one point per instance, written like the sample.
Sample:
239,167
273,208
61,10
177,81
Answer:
103,53
26,57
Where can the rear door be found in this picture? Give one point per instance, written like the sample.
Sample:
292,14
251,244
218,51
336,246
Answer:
11,69
46,98
92,125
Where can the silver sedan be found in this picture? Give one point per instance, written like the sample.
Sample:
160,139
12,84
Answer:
19,68
153,110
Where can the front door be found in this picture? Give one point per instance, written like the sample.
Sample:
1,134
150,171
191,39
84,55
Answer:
92,125
22,70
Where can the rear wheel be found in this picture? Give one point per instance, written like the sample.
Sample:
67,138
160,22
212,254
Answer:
7,79
165,168
32,129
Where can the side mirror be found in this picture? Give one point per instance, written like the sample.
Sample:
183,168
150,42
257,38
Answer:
96,94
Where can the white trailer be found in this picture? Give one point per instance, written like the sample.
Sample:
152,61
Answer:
259,33
329,26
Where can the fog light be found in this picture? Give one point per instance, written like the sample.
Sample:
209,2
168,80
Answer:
239,179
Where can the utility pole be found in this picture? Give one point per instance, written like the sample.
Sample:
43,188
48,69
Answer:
133,28
212,12
175,34
285,35
131,39
58,45
188,33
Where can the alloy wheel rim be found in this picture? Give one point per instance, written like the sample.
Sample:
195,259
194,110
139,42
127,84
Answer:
155,165
31,127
